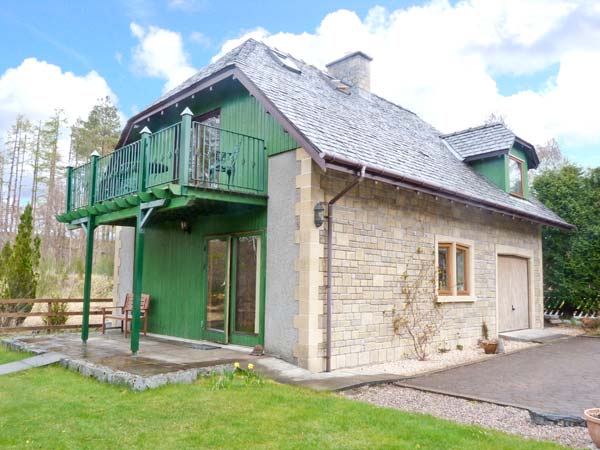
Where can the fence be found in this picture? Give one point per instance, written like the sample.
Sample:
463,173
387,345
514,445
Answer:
556,308
47,314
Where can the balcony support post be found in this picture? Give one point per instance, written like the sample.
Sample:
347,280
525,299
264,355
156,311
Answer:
138,269
138,263
185,146
89,252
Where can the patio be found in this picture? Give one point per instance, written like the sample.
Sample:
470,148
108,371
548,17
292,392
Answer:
161,361
108,357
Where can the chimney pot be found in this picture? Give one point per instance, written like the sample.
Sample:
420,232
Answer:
353,69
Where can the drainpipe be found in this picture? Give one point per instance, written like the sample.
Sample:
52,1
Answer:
344,191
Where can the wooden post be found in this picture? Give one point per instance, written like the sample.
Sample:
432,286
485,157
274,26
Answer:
69,195
138,264
48,317
144,148
185,146
89,254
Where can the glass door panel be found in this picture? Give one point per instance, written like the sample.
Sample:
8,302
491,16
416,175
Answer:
217,298
247,276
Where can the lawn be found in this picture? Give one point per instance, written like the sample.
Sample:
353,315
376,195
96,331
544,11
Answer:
53,408
6,356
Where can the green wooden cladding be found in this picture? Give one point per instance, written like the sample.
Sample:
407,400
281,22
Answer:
175,273
495,169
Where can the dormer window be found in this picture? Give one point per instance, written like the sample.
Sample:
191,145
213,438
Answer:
516,176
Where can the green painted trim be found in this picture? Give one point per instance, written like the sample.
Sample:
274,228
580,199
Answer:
226,196
102,208
175,189
145,196
161,192
116,216
121,202
132,200
111,205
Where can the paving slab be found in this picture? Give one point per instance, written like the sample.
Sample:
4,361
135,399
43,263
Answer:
539,336
44,359
286,373
556,378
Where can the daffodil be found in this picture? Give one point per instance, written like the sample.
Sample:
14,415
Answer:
250,366
236,365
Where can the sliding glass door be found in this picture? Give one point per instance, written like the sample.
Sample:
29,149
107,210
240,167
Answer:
233,289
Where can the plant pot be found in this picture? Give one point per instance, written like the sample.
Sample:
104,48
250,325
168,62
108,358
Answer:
490,347
592,417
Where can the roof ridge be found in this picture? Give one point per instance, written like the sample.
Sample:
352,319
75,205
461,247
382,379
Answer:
477,128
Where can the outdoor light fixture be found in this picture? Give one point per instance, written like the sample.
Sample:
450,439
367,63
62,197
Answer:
185,226
319,214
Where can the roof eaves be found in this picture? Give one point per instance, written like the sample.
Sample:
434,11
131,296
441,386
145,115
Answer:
486,155
391,177
210,80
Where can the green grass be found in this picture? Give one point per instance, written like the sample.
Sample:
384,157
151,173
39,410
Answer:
53,408
6,356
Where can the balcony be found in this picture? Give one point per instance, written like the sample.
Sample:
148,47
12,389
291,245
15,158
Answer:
185,157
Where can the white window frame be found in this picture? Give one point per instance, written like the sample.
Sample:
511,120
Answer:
454,297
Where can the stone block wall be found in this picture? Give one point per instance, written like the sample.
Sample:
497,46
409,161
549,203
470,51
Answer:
382,237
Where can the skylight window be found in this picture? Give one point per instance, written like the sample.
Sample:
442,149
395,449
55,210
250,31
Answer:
286,61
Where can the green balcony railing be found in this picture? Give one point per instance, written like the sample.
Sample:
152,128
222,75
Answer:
227,160
214,159
117,172
79,189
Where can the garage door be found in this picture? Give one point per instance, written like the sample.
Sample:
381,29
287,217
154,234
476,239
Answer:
513,293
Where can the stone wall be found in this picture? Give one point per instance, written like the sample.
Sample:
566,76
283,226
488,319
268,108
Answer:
383,237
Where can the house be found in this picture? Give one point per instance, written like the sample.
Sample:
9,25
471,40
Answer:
225,186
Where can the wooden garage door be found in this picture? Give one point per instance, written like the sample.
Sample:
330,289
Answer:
513,294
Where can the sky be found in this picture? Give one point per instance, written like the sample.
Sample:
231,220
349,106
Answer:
534,62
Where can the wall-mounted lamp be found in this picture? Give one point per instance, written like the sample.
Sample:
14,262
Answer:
319,214
185,226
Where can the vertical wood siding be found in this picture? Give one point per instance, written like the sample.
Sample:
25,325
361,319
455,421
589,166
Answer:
174,269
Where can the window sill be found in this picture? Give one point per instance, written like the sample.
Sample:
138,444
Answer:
456,298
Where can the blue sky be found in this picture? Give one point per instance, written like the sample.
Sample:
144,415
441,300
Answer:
453,63
86,35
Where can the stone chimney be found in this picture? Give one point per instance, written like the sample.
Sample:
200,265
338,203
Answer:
353,69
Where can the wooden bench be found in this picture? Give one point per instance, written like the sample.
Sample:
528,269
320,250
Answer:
126,316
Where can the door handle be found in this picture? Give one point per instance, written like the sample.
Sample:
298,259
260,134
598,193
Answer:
513,307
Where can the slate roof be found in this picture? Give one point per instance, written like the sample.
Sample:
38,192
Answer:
492,139
364,128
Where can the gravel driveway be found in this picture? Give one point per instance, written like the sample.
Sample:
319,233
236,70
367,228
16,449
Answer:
487,415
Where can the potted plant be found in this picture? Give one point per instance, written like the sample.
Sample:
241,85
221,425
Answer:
489,345
592,417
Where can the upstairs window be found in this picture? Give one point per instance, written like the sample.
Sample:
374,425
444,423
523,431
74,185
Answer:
516,176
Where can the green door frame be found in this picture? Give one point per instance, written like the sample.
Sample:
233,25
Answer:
229,335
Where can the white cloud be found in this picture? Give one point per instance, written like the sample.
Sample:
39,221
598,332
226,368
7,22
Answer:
37,88
197,37
441,60
188,5
160,54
